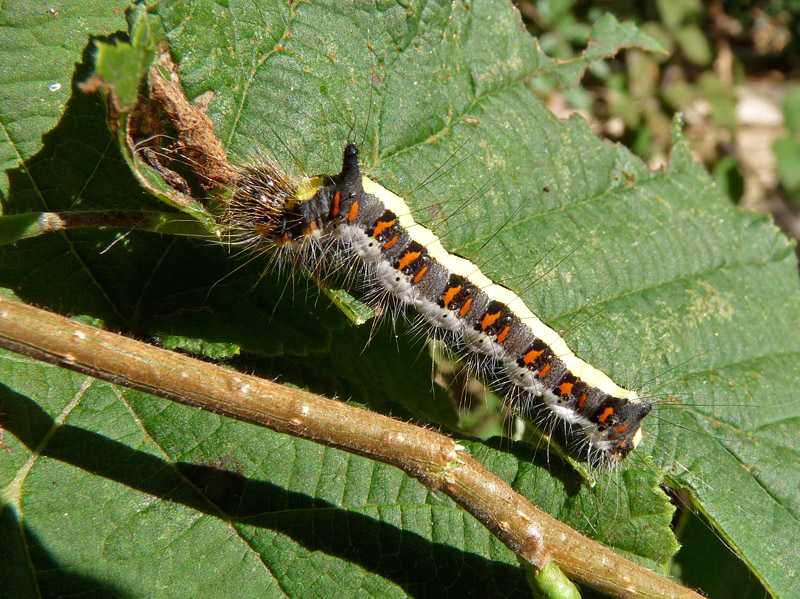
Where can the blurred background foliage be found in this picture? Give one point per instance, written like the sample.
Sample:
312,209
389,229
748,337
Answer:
732,69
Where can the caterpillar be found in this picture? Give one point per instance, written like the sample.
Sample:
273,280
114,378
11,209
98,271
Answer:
266,209
331,221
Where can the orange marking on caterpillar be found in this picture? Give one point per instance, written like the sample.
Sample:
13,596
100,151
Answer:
336,199
420,274
450,295
582,400
406,259
489,320
543,371
503,334
565,388
465,308
531,356
390,243
381,226
351,216
605,415
621,429
312,226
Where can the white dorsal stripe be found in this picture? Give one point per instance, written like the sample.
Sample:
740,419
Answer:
463,267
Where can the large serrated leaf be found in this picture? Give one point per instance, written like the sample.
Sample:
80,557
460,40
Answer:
39,45
186,502
677,283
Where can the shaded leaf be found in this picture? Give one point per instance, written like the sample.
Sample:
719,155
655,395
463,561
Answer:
126,63
677,284
44,41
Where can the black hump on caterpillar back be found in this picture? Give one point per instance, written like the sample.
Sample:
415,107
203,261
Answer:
349,179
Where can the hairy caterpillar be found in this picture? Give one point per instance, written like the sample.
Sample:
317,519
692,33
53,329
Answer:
646,219
715,248
329,221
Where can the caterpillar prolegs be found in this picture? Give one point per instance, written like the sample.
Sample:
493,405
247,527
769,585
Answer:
345,219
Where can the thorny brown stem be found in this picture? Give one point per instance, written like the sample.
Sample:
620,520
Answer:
437,461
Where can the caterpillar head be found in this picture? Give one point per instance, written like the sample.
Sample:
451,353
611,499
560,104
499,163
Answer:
615,429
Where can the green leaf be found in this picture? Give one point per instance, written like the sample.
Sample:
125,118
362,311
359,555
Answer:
787,155
721,97
675,12
791,111
646,273
693,43
702,555
40,43
607,38
124,63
